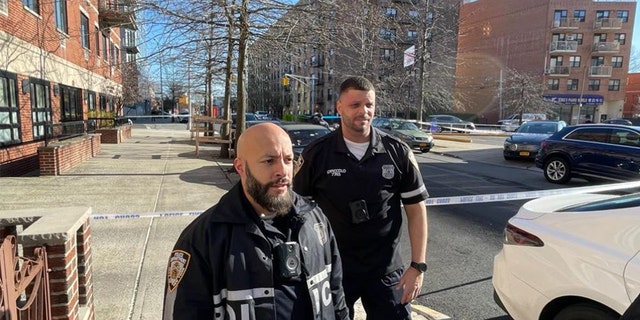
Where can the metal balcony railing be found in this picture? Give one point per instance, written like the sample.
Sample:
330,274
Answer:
566,23
564,46
603,47
558,70
117,13
607,23
600,71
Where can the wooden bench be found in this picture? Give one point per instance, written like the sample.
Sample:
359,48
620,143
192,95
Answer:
203,131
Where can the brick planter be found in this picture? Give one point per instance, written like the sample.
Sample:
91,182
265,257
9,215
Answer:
115,135
66,235
61,156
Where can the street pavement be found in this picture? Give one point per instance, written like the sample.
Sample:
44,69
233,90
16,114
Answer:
143,192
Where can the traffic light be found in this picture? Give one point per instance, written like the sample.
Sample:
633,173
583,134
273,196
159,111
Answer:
285,81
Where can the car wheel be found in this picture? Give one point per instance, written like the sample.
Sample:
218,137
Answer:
586,311
557,170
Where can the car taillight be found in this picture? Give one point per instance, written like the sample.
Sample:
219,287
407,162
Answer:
516,236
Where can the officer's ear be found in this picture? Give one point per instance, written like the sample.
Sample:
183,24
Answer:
238,164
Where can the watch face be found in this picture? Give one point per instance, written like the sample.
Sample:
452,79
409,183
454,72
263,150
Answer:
422,267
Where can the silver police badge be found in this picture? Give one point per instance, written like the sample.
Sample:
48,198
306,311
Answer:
321,231
178,263
387,171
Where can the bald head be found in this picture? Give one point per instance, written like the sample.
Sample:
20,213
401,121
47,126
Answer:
265,164
258,138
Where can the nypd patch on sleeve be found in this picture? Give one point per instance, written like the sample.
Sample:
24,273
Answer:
178,263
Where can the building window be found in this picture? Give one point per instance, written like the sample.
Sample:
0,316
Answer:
578,37
553,84
572,85
413,14
594,84
599,37
84,30
91,100
33,5
601,14
103,102
9,113
70,104
329,95
620,38
97,30
580,15
3,7
623,15
40,107
387,34
614,85
60,12
616,62
597,61
574,61
560,14
389,12
412,34
387,54
105,48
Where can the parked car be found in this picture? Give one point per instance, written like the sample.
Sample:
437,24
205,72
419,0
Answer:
512,122
249,120
407,131
591,151
619,121
525,142
302,134
261,114
183,116
570,257
451,123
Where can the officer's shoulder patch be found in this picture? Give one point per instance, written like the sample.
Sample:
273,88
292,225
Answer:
321,232
178,263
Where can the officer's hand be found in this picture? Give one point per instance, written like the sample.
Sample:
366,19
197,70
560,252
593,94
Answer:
411,283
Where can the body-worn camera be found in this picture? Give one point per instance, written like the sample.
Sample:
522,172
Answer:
359,212
287,257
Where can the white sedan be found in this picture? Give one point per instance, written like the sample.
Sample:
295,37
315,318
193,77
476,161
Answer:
570,257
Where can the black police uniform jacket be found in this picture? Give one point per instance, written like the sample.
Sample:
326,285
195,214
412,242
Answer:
386,177
222,268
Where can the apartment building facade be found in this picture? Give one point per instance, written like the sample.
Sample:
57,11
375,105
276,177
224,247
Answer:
368,39
579,49
59,60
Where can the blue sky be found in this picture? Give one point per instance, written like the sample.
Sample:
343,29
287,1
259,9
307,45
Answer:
635,41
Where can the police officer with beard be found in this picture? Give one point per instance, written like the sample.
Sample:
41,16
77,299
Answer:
262,252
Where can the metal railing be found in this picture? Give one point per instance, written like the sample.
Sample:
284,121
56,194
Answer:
71,129
24,283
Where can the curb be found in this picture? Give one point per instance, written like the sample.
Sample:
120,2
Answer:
449,138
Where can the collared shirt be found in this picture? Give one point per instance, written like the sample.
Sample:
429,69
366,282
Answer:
386,176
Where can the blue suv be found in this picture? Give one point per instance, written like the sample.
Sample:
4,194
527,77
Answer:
591,151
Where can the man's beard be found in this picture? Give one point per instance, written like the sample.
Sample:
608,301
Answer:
280,205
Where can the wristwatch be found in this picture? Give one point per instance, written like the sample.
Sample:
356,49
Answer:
422,267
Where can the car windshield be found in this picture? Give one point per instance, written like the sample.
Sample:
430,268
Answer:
543,128
303,137
400,125
627,201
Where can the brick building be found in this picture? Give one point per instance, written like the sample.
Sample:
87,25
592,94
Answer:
578,48
59,60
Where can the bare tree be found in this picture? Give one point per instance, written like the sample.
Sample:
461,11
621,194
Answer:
523,92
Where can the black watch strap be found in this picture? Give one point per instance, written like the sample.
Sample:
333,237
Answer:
420,266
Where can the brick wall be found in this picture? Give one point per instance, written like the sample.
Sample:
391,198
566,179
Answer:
62,156
115,135
68,246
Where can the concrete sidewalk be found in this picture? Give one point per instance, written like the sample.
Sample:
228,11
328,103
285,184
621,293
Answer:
151,183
